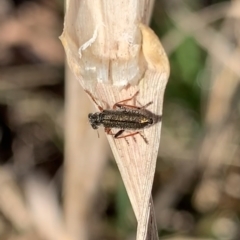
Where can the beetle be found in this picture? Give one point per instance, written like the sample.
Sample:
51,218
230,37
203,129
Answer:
123,117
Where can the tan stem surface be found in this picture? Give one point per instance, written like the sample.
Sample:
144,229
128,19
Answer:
113,59
85,157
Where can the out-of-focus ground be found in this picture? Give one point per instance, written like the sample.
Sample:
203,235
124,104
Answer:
196,190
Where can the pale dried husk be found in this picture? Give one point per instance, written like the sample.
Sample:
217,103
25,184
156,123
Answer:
113,56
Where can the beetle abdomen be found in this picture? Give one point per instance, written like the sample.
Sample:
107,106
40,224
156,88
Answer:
125,119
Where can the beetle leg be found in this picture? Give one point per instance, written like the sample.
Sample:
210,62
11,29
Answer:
120,132
117,135
94,100
122,106
118,104
108,131
143,137
146,105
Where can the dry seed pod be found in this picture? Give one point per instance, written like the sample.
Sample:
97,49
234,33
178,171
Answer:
113,60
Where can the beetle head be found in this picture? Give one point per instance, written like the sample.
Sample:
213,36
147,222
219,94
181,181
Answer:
95,119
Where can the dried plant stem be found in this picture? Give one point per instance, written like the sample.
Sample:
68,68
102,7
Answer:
85,156
11,198
112,60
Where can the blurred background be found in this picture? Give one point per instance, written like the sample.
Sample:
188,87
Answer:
196,189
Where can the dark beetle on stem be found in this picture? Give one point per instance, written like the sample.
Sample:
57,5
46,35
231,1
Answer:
123,117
